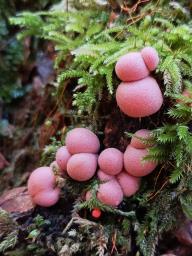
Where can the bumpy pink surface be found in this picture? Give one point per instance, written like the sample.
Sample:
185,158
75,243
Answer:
82,166
111,161
103,176
62,157
131,67
133,162
110,193
140,98
41,187
151,57
137,142
82,140
128,183
47,198
40,180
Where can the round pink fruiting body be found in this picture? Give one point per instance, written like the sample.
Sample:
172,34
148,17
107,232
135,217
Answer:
140,98
151,57
42,187
102,176
138,143
110,193
47,198
82,166
111,161
134,163
62,157
131,67
41,179
82,140
129,184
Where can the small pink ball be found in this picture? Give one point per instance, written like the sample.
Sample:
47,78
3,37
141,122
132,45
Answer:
102,176
82,166
47,198
131,67
40,180
137,142
62,157
139,99
129,184
110,193
134,163
82,140
111,161
151,57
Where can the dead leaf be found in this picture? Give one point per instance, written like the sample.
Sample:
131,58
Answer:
16,200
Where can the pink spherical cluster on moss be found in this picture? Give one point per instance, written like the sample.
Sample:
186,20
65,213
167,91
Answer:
42,187
111,161
139,94
82,140
78,158
129,184
135,164
110,193
150,57
140,98
131,67
137,139
82,166
62,157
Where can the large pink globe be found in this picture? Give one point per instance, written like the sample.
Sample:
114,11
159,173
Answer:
135,164
111,161
82,140
82,166
129,184
140,98
110,193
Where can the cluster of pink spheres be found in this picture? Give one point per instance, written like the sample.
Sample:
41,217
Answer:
137,96
119,173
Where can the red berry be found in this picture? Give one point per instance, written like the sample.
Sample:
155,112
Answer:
96,213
